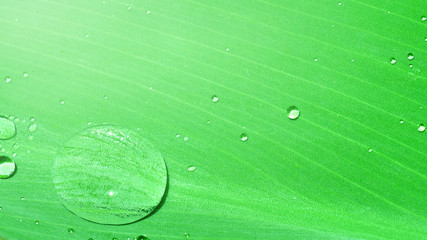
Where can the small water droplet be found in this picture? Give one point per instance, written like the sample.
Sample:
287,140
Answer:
87,35
293,112
7,167
148,12
191,168
13,154
178,135
36,222
423,18
243,137
186,138
32,127
215,99
401,121
8,79
393,61
316,60
115,239
15,146
187,235
7,128
370,150
61,102
32,119
70,230
31,137
410,56
23,198
411,66
25,74
1,208
130,8
142,237
421,127
105,97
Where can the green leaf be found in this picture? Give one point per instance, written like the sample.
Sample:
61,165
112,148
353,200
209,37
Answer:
351,166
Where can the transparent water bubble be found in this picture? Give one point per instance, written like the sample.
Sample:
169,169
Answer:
7,167
215,99
243,137
421,127
293,112
109,174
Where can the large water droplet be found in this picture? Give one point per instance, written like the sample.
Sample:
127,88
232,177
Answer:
7,128
109,174
410,56
243,137
7,167
293,112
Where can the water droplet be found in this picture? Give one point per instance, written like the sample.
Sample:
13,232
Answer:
401,121
227,49
148,12
25,74
339,4
410,56
32,119
105,97
178,135
7,167
7,128
243,137
115,239
393,61
13,154
36,222
15,146
293,112
32,127
31,137
130,8
23,198
70,230
411,66
421,127
142,237
8,79
1,208
61,102
423,18
370,150
104,159
215,99
187,235
186,138
316,59
191,168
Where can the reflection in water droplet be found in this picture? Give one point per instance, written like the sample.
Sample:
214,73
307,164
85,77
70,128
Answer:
32,127
191,168
421,127
103,160
215,99
393,61
293,112
7,128
410,56
7,167
243,137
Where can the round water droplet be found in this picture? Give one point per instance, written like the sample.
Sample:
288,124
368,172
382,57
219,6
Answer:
7,128
187,235
142,237
411,66
31,137
25,74
22,198
393,61
423,18
109,174
293,112
36,222
316,59
32,127
186,138
105,97
62,102
70,230
410,56
148,12
215,99
7,167
8,79
243,137
421,127
191,168
401,121
370,150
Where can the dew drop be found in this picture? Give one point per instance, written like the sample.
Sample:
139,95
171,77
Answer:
31,137
70,230
148,12
227,49
421,127
187,235
142,237
186,138
32,127
7,128
423,18
401,121
370,150
410,56
105,97
191,168
316,60
411,66
393,61
8,79
25,74
215,99
36,222
178,135
32,119
243,137
61,102
293,112
7,167
109,159
23,198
